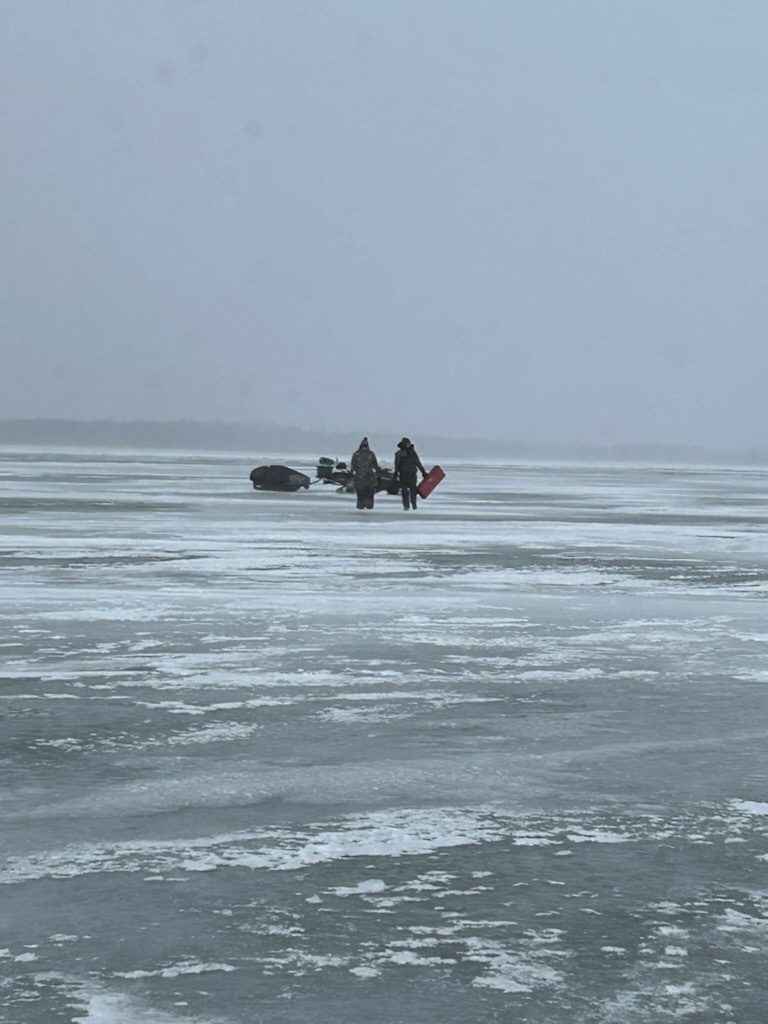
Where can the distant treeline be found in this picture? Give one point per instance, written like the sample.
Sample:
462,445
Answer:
258,439
185,434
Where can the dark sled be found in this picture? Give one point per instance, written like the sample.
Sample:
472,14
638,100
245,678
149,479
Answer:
278,478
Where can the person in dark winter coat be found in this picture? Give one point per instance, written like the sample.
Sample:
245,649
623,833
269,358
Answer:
365,473
407,463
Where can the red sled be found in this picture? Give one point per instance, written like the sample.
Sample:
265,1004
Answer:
430,481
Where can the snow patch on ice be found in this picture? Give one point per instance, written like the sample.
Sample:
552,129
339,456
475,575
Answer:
750,806
598,836
381,834
214,733
533,839
115,1008
365,972
370,885
176,970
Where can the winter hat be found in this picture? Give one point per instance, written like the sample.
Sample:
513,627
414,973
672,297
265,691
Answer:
364,443
405,443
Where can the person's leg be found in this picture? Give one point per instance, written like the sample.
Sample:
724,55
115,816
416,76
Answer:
409,492
360,497
405,496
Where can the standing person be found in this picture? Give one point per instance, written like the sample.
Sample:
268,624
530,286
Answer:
365,473
406,463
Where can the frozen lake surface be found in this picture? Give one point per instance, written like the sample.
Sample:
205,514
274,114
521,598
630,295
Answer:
269,759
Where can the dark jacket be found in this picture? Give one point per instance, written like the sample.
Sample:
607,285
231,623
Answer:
407,462
365,468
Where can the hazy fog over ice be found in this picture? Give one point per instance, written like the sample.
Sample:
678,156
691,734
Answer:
535,220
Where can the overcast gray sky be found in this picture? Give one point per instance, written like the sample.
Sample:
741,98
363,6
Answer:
534,219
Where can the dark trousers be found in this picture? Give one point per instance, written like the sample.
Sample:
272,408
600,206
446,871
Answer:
365,493
408,491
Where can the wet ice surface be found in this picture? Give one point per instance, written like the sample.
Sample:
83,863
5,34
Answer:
268,758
